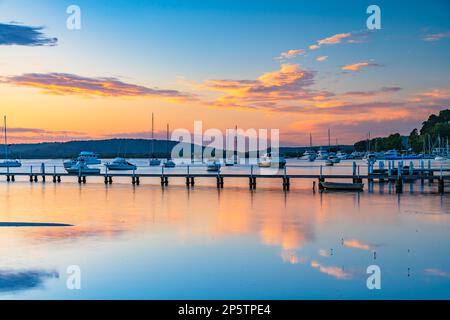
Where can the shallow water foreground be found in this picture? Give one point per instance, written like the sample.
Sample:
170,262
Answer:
148,243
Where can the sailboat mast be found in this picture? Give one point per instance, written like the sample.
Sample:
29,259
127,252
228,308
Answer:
329,138
153,137
6,139
167,142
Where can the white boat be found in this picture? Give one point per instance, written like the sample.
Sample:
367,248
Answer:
329,163
153,161
81,167
120,164
267,161
229,162
391,154
90,158
213,166
8,163
342,155
322,154
440,158
370,157
334,159
309,155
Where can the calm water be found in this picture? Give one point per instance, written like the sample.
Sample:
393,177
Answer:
147,243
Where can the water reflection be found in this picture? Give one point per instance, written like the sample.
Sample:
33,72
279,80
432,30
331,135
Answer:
12,281
208,243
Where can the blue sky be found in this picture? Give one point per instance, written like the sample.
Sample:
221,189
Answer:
181,45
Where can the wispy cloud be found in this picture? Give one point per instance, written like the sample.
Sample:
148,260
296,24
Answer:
360,65
31,135
321,58
291,54
23,35
349,37
335,39
71,84
436,36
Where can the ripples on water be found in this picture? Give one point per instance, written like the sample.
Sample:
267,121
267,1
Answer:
145,242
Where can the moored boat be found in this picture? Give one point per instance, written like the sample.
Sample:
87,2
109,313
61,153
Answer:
90,158
8,163
81,167
342,186
120,164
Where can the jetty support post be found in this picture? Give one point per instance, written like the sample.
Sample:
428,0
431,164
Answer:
54,174
382,171
430,172
354,171
370,171
106,175
321,178
43,171
133,177
441,181
252,179
286,180
31,173
187,177
411,168
389,170
422,171
399,181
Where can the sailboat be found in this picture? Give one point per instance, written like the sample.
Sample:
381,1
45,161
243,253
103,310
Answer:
169,163
310,154
153,161
8,163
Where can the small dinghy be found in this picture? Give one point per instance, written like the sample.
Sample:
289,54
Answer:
329,163
342,186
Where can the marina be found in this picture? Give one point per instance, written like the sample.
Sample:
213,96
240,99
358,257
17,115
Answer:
351,171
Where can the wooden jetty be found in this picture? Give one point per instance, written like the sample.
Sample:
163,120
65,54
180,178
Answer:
398,176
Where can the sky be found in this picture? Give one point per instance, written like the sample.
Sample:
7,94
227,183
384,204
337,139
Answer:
298,66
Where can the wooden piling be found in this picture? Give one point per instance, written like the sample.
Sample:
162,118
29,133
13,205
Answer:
441,185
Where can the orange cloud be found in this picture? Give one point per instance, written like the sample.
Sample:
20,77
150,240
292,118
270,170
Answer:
360,65
70,84
335,39
291,54
289,84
